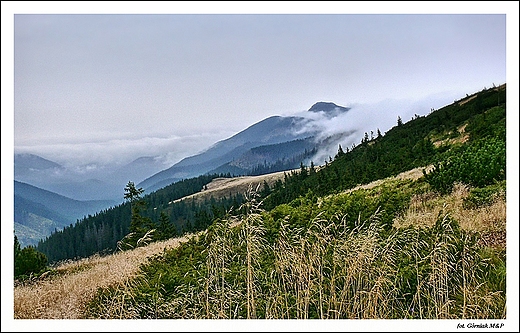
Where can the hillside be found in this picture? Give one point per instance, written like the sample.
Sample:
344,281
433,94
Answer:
274,144
269,131
221,187
406,225
65,293
78,281
394,249
38,212
418,142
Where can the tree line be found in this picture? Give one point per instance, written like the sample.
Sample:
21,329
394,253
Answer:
405,146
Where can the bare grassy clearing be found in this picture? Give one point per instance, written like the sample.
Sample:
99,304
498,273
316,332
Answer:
230,186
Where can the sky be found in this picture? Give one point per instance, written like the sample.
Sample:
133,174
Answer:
119,86
112,82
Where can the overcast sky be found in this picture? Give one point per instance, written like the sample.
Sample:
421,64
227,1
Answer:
87,84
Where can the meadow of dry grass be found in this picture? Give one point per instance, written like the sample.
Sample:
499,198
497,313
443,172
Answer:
220,187
424,210
65,294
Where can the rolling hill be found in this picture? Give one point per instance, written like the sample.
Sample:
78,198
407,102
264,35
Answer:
38,212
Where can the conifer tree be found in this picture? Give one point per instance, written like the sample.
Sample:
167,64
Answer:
27,260
340,152
139,225
165,229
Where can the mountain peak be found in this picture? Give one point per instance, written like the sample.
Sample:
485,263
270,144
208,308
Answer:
328,107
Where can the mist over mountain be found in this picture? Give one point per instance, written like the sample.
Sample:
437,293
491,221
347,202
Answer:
27,163
77,183
240,154
408,144
32,168
100,171
88,182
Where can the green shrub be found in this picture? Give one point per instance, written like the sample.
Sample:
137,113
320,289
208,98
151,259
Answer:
479,197
27,261
480,164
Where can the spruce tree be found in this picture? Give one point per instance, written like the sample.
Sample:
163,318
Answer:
27,261
139,225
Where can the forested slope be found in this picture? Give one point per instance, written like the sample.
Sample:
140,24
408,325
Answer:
421,141
429,243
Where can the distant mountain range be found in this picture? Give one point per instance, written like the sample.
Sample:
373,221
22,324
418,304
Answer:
49,196
283,141
274,144
89,183
39,212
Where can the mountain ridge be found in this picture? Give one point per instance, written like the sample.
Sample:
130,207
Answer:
269,131
92,182
405,146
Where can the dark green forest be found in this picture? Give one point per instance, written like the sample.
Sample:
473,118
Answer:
101,232
403,147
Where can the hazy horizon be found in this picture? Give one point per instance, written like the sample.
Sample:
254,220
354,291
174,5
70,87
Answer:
100,87
108,88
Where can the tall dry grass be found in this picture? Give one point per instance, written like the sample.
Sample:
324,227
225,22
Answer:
455,258
65,295
428,267
425,208
332,272
251,237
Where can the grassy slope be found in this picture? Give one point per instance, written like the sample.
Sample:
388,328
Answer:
230,186
66,292
409,252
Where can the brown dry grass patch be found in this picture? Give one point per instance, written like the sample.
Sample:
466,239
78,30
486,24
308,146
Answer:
412,174
65,295
220,187
425,208
464,101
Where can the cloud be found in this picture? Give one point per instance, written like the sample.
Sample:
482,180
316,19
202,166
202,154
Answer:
106,151
101,155
349,128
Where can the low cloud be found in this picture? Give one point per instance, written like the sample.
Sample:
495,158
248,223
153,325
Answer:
348,128
91,156
95,158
